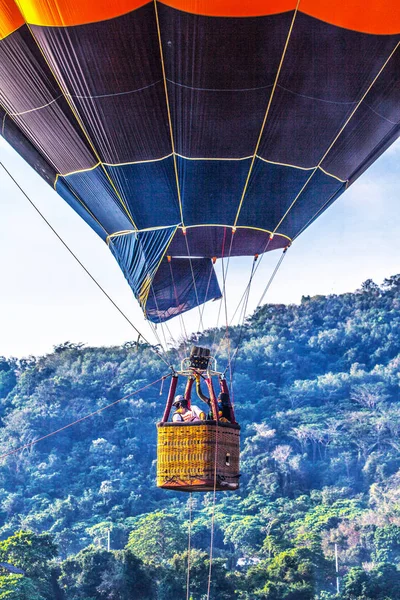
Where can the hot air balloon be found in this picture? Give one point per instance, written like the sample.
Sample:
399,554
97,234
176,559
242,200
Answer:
186,131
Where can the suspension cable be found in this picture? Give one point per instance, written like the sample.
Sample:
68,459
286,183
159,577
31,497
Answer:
202,309
88,416
189,548
194,280
244,310
181,319
223,299
220,304
64,243
272,276
269,283
242,299
213,512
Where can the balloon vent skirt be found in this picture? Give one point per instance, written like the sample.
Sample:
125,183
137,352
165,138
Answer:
198,457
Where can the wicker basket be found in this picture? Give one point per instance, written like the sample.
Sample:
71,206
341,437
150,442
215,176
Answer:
186,455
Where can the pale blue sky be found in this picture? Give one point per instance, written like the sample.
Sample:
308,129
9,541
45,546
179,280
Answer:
46,298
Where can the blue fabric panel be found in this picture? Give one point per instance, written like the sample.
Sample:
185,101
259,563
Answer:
95,191
314,199
65,192
359,142
179,286
139,254
211,189
271,190
150,191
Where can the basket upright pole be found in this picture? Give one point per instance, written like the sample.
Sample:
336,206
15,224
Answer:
213,398
224,388
188,389
170,399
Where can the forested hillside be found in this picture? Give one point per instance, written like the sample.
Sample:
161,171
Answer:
317,394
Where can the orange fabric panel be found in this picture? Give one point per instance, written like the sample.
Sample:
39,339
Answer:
61,13
369,16
10,18
233,8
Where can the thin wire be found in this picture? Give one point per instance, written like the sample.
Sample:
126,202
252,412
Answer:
189,548
205,299
223,299
194,281
242,299
220,304
213,512
227,334
182,322
92,414
81,264
245,294
243,316
262,254
273,276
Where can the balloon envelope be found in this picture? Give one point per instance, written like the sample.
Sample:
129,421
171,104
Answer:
185,131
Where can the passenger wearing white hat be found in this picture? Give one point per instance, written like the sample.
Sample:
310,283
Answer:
185,414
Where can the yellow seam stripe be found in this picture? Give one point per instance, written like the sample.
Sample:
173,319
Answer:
72,107
204,158
266,114
237,227
334,176
138,162
130,232
273,162
339,134
168,110
151,160
81,170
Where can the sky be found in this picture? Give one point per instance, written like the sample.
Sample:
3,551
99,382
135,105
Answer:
47,299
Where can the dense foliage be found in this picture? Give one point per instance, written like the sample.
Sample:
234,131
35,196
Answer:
317,395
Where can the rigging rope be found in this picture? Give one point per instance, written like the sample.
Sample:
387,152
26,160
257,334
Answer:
269,283
189,547
273,276
213,513
82,265
92,414
194,280
244,310
181,319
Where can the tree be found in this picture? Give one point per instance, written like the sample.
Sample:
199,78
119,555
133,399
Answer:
17,587
156,537
33,553
290,575
173,585
381,583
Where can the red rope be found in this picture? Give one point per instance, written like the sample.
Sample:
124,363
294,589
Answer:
96,412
